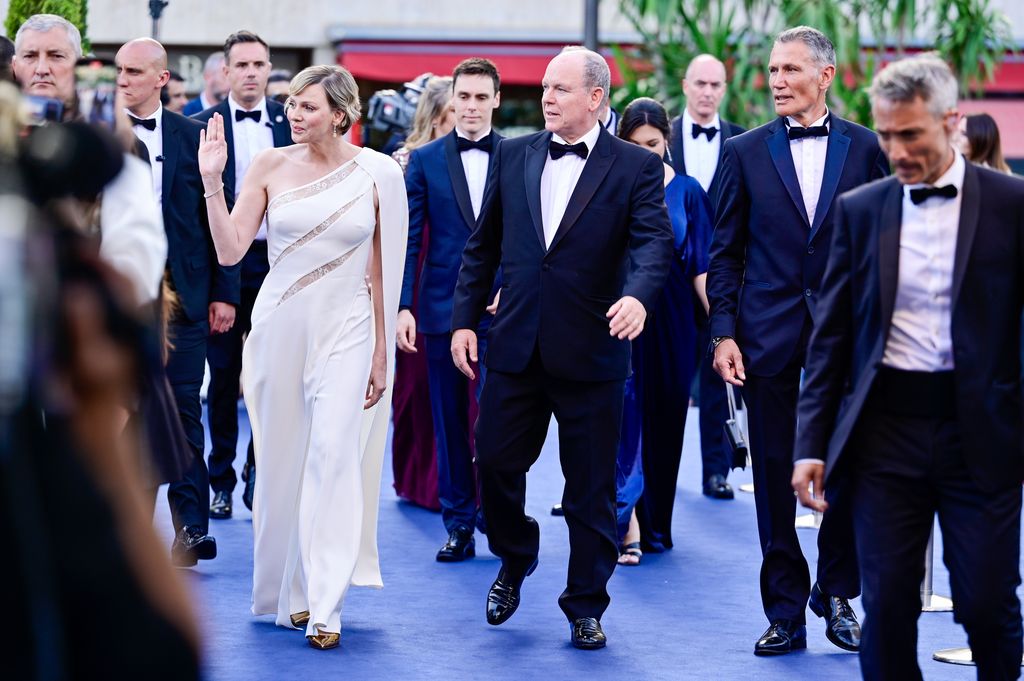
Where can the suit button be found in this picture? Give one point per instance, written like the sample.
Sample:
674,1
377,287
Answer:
807,292
810,250
546,267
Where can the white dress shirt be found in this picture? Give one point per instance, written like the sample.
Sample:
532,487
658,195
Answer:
474,165
701,155
558,181
920,336
250,138
809,159
154,141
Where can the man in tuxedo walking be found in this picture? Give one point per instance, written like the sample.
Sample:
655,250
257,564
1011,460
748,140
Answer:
576,220
207,293
913,390
773,225
445,183
695,146
252,123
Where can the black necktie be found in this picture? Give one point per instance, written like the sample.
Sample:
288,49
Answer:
698,129
483,144
147,123
242,115
922,194
557,150
796,133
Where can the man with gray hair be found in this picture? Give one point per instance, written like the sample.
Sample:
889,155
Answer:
912,398
46,48
215,87
576,220
772,233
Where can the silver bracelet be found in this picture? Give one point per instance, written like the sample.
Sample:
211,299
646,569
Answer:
214,192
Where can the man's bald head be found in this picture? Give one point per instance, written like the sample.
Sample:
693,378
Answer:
704,87
141,73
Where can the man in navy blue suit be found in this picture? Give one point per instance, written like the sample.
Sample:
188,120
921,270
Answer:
913,388
252,123
215,86
206,293
773,225
695,146
445,182
576,220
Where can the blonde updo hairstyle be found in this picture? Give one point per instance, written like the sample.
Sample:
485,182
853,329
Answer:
339,86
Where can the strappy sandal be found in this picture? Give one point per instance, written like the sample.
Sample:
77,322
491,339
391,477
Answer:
632,550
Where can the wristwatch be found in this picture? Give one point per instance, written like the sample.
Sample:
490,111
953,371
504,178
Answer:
718,339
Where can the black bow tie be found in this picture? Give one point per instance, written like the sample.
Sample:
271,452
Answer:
242,115
557,150
698,129
922,194
797,133
483,144
147,123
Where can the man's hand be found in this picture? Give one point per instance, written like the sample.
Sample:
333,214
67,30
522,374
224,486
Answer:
729,362
222,317
406,331
493,307
627,318
809,485
464,351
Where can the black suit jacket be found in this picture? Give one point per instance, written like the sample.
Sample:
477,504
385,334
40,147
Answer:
615,239
767,259
191,257
857,300
678,159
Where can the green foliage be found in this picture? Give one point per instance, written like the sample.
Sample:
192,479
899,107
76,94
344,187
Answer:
74,11
969,34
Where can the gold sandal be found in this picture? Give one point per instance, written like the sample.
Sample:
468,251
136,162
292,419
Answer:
300,619
323,640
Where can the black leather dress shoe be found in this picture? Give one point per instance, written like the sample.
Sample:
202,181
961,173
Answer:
783,636
221,506
192,545
717,487
586,634
841,626
557,510
503,598
459,547
249,475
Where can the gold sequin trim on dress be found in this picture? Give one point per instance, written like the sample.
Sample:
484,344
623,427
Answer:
319,229
316,275
320,185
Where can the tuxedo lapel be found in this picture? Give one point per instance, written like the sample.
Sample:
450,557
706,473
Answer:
970,207
457,174
782,157
536,155
171,142
678,157
597,166
224,109
889,225
279,124
835,159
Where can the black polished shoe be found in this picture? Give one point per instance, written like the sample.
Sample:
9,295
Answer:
586,634
841,626
783,636
557,510
459,547
221,506
503,598
192,545
717,487
249,475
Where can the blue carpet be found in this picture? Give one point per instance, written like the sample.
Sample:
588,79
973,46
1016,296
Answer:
691,613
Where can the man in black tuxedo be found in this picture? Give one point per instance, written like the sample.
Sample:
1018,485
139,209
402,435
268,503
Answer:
695,146
252,123
913,390
206,293
772,231
576,220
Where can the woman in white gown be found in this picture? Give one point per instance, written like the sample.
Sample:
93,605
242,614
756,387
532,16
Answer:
319,356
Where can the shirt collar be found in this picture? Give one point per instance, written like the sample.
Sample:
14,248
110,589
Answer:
262,107
157,115
688,121
465,136
792,123
954,176
590,139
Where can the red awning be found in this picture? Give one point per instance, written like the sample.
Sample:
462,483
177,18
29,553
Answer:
395,62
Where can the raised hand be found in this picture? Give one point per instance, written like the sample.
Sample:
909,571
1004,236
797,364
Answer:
213,149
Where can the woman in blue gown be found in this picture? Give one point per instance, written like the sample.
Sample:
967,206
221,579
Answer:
664,356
